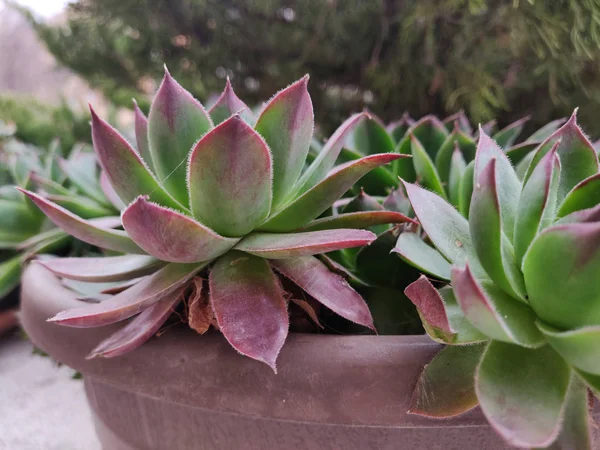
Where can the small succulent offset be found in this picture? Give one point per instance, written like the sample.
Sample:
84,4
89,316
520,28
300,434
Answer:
211,196
522,314
442,152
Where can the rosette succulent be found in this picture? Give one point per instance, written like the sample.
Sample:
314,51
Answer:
222,213
521,315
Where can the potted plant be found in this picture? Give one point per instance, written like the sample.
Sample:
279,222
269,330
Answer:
221,231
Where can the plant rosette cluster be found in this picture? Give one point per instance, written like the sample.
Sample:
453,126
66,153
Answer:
223,196
73,183
521,315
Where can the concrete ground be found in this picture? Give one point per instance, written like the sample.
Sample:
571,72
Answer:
41,406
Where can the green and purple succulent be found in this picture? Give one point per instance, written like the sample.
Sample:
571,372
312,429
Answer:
521,315
220,207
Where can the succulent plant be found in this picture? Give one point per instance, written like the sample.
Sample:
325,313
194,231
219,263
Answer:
72,182
521,313
442,152
213,196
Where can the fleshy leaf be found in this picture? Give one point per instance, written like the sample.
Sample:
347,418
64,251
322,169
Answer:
286,123
462,120
249,306
457,169
316,200
580,347
507,136
418,254
171,236
328,154
487,232
46,185
430,305
327,287
110,192
288,245
561,274
584,195
546,131
370,137
84,207
464,332
465,190
85,230
176,121
427,175
508,184
229,177
85,181
139,330
447,229
128,174
537,203
518,153
141,135
523,166
378,181
456,140
522,392
359,219
399,128
227,105
102,269
446,387
133,300
576,153
398,201
493,312
10,274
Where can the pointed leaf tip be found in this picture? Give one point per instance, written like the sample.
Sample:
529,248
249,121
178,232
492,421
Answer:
429,303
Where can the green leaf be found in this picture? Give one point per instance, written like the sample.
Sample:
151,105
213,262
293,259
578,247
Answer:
456,140
417,253
580,347
576,153
85,181
315,201
584,195
427,175
229,104
446,387
84,207
447,229
376,182
522,392
546,131
537,203
10,275
461,119
519,152
359,219
493,312
141,135
465,189
523,166
286,123
430,132
175,122
561,274
399,128
457,169
507,136
369,137
229,175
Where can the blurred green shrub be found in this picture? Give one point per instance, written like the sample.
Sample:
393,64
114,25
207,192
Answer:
493,58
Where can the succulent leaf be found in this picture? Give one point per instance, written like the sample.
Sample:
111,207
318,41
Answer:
229,177
141,135
289,245
171,236
398,201
493,312
315,201
85,181
577,156
84,207
518,153
446,228
152,289
128,174
430,132
85,230
495,253
537,203
430,305
522,392
10,274
110,193
175,122
586,194
457,169
326,158
327,287
465,189
286,123
370,137
416,252
427,175
229,104
456,140
377,181
446,385
546,131
399,128
359,219
563,263
507,136
102,269
249,306
580,347
139,330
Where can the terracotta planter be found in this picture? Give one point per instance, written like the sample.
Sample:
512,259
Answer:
185,391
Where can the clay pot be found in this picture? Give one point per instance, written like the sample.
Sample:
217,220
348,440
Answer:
186,391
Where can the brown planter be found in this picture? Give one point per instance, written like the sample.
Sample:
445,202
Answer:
185,391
